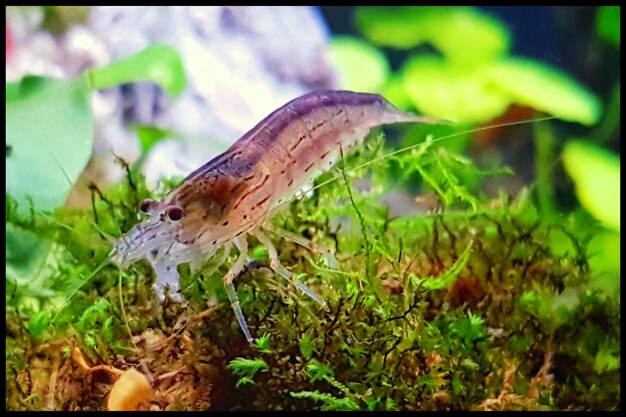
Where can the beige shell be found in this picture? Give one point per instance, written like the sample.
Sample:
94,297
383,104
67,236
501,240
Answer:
129,391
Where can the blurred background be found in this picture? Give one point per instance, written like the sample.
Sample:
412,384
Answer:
563,36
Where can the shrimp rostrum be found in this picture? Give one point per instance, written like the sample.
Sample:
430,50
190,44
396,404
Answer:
230,197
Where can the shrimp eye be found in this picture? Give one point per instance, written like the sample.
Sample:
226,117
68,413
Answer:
146,204
175,213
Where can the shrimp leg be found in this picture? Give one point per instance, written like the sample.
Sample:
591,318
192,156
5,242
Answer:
220,261
232,273
167,276
282,271
304,242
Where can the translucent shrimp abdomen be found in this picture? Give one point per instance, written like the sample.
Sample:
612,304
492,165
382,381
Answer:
306,136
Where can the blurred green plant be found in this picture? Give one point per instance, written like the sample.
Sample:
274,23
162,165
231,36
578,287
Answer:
472,80
160,64
49,130
150,135
608,24
49,124
361,66
462,34
596,175
246,369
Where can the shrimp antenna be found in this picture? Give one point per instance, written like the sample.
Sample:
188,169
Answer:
93,274
110,239
123,310
442,138
107,236
54,220
67,177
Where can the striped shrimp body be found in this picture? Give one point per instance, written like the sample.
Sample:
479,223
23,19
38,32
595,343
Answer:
233,195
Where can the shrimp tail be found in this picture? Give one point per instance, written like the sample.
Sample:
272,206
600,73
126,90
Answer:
392,114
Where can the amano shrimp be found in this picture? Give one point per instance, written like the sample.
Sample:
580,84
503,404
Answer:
230,197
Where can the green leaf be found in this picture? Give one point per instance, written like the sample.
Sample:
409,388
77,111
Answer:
539,302
463,35
26,87
150,135
596,174
470,329
520,344
441,90
426,381
330,402
249,367
544,88
372,404
259,254
606,360
390,404
158,63
361,67
26,256
353,351
244,380
94,313
306,346
319,371
49,128
608,24
469,364
66,351
396,93
38,323
263,343
107,329
457,386
445,280
31,262
90,341
604,260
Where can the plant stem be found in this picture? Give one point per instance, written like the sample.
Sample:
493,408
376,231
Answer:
544,156
366,242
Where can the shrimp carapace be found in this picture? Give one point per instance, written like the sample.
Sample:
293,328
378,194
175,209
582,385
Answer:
233,195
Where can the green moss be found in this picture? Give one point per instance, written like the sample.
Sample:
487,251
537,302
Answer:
467,308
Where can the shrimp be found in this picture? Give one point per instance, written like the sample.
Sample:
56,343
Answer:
232,196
